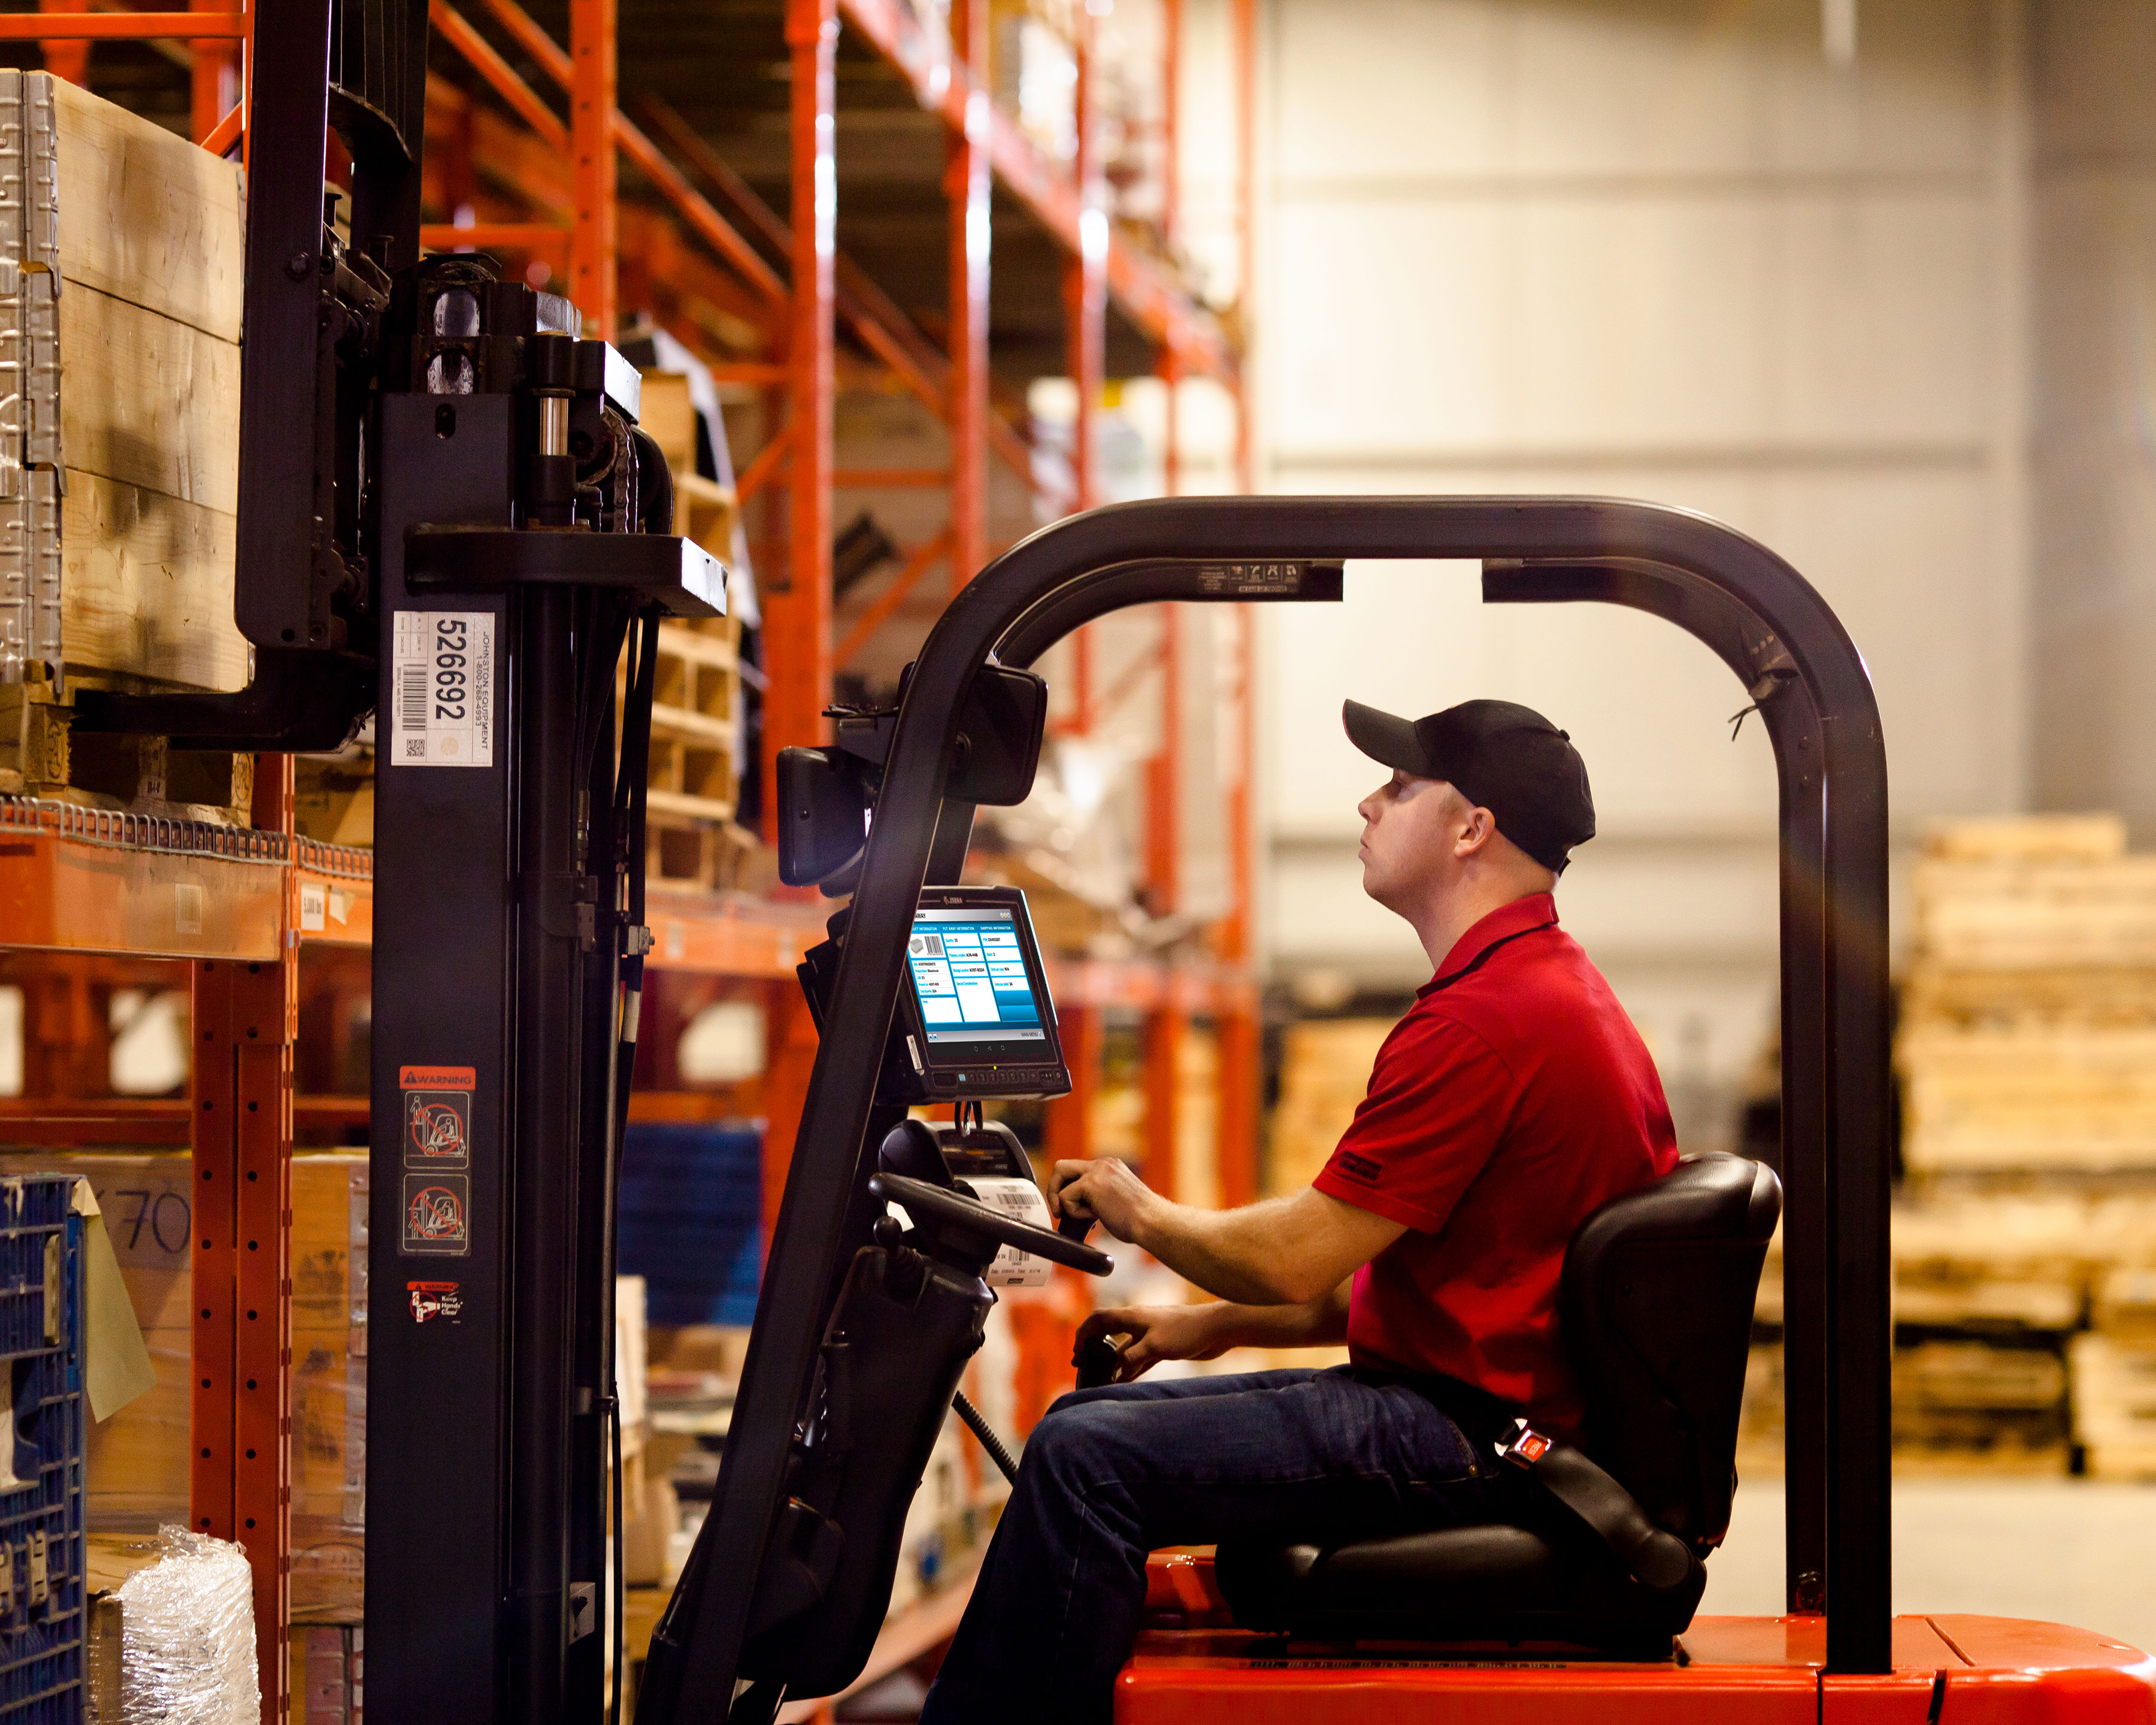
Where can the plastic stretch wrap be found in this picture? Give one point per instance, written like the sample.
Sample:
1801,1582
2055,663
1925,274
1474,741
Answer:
187,1636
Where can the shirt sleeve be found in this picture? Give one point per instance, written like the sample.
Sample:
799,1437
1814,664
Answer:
1439,1100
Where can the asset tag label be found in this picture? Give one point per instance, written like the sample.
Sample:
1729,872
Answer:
444,685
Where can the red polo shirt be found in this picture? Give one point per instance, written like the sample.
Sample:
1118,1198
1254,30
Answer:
1513,1100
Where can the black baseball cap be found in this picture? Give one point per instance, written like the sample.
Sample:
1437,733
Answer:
1502,756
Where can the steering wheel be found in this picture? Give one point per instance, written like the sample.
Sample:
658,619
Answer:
939,1206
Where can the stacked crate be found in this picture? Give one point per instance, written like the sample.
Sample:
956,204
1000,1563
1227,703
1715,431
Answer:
697,721
2027,1055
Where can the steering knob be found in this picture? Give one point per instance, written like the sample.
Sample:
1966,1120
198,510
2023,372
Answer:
1075,1228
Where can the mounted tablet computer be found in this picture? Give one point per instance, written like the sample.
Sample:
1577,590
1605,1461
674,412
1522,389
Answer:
975,1019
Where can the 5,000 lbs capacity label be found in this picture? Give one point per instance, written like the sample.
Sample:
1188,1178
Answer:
444,690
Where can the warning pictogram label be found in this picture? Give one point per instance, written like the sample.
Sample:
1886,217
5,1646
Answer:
436,1301
438,1128
437,1215
438,1115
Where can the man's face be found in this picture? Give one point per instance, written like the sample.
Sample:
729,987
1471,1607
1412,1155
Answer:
1409,825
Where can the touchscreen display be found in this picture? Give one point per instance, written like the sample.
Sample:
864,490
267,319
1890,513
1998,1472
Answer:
969,975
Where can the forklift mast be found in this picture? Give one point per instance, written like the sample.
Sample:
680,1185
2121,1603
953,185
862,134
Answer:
450,520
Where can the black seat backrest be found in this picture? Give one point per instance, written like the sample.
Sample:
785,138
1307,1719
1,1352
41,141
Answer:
1658,1291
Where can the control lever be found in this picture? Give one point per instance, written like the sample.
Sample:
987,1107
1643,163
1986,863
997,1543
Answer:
1098,1360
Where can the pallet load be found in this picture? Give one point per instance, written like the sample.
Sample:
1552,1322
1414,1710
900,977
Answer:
2026,1049
120,272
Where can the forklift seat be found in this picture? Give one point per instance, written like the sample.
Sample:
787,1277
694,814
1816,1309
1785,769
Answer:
1656,1302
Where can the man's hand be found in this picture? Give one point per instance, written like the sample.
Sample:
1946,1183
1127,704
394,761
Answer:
1156,1332
1104,1189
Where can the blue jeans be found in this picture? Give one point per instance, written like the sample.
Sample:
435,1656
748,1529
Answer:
1111,1474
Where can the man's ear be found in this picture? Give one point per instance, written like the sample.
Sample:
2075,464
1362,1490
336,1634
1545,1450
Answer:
1476,829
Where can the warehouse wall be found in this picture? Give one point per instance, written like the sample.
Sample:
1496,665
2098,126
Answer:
1660,248
2093,267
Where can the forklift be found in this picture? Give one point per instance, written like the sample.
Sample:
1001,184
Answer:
470,543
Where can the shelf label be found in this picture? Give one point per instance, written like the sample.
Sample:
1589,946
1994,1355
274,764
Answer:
443,689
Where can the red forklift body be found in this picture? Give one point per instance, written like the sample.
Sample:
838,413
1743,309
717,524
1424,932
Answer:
1191,1667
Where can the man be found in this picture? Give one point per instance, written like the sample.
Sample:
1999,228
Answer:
1513,1100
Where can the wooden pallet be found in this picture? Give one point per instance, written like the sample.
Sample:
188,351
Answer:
697,727
2015,915
40,756
2114,1387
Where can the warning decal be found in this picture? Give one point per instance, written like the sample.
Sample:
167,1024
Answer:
438,1128
436,1301
437,1218
442,693
438,1115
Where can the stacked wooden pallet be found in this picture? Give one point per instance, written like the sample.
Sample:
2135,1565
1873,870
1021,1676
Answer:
121,275
2114,1375
2028,1038
1325,1073
697,721
2027,1056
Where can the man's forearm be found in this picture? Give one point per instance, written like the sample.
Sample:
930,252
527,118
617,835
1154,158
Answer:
1245,1255
1319,1323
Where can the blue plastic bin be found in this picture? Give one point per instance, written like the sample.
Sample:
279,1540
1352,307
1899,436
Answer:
42,1619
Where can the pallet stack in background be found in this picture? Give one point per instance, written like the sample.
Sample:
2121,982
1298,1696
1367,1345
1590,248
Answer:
2025,1241
699,728
1325,1070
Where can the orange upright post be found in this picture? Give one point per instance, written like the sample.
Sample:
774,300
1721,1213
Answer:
1246,31
1085,334
1241,1032
1085,284
213,80
1169,367
797,610
245,1019
966,185
594,239
65,57
1166,1023
1069,1126
797,615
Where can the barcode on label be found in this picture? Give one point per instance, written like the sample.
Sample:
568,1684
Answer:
412,698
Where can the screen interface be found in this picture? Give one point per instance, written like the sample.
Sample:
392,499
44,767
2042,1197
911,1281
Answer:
969,975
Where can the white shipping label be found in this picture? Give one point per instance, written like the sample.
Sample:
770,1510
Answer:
443,698
1020,1200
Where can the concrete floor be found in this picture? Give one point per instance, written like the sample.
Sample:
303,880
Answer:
2067,1551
